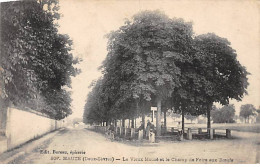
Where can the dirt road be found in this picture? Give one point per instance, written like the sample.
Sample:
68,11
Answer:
72,145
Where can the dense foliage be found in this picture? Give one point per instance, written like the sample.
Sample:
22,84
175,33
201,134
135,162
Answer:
224,114
246,111
154,60
35,59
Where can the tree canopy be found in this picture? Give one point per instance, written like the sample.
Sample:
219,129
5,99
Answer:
154,60
224,114
246,111
36,60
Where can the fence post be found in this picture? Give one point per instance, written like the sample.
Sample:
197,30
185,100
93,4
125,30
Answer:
164,130
180,134
120,131
132,133
126,131
189,134
140,135
151,137
199,130
116,130
228,133
211,136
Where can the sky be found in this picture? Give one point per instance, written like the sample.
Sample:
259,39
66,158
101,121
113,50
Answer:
88,21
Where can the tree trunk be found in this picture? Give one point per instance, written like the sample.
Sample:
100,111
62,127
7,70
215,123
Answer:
115,123
164,114
152,115
123,122
158,117
137,111
129,123
182,121
133,123
143,121
208,116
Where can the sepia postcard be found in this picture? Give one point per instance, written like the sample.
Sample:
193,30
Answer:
130,82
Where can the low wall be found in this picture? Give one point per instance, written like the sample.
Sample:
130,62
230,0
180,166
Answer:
23,126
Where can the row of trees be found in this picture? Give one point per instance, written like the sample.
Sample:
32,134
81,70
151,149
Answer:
35,62
154,60
226,114
248,110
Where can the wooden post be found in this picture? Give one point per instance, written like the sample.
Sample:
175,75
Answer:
228,133
140,135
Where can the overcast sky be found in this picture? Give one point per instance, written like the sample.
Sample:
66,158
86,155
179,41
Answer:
87,21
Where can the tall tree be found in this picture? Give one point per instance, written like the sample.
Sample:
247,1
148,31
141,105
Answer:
224,114
35,58
246,111
190,117
156,60
223,76
147,47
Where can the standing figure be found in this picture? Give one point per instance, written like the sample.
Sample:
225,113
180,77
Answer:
147,130
141,127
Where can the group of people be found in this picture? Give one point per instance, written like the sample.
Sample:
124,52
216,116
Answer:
149,128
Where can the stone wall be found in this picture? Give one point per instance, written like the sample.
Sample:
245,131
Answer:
22,126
